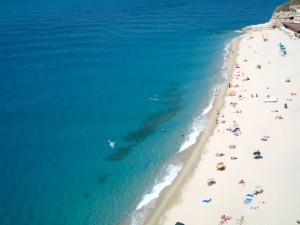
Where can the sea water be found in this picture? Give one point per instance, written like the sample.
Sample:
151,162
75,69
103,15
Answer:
77,74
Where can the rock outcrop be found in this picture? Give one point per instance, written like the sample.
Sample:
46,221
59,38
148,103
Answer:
288,12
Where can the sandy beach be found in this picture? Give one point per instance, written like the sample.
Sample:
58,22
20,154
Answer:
253,131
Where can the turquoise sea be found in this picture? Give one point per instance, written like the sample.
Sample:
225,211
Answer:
77,74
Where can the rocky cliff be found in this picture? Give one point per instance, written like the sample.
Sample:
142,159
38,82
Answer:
288,12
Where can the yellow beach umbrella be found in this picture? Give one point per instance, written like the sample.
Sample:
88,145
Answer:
220,165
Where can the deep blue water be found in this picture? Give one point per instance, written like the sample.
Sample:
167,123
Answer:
74,74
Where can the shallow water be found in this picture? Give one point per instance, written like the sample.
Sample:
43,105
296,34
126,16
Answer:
75,74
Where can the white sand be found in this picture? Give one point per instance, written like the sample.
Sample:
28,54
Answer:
278,172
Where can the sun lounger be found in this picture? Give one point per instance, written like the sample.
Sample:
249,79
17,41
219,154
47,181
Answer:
271,99
207,200
248,200
250,195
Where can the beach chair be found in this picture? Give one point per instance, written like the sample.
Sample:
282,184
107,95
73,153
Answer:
206,200
248,200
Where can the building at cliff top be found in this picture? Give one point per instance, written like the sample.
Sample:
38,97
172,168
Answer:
292,26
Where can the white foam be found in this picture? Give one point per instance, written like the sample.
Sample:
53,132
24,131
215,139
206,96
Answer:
166,178
170,174
223,71
227,46
196,128
199,123
209,107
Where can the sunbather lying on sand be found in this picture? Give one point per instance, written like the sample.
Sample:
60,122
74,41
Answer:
279,117
242,182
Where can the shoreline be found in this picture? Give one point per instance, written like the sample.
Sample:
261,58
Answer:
192,155
263,71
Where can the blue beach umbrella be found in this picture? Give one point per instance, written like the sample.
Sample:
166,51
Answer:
256,153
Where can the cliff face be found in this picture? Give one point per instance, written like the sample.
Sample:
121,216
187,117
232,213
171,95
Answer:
288,12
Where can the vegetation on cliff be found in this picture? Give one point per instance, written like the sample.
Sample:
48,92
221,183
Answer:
286,6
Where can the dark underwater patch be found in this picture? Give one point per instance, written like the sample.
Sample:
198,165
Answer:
173,100
102,178
147,128
216,32
86,195
121,153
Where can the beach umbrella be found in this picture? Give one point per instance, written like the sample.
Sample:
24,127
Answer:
211,181
256,152
258,189
224,217
220,165
241,182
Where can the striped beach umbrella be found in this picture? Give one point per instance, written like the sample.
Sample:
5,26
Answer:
220,165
